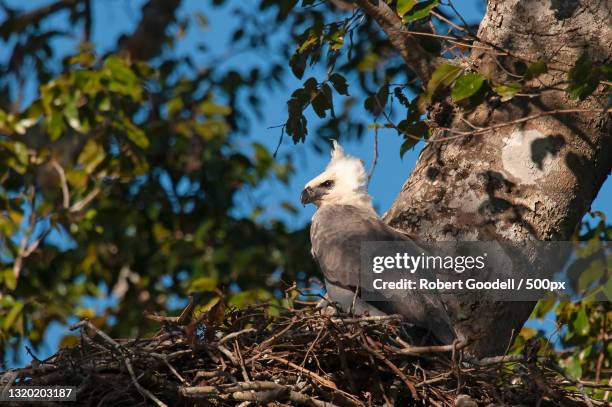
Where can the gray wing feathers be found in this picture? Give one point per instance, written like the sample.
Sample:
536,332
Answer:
336,234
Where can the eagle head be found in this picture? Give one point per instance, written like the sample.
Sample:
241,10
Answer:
344,182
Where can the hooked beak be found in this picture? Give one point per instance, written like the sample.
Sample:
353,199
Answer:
307,196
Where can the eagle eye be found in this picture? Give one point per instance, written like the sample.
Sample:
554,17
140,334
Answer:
327,184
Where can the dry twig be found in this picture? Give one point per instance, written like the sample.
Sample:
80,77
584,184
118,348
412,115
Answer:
301,357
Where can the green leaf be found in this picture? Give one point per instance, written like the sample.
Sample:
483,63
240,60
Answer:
71,113
408,144
466,86
69,341
573,368
536,69
55,125
544,306
122,79
507,91
202,284
264,160
581,323
92,155
444,75
311,86
136,134
9,279
296,125
24,124
320,103
606,71
12,315
339,83
211,109
336,39
77,178
174,106
19,159
289,208
583,78
311,41
298,64
20,151
404,6
376,103
120,70
413,133
417,129
85,58
607,289
591,275
421,10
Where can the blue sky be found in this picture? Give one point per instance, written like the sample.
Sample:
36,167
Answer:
114,17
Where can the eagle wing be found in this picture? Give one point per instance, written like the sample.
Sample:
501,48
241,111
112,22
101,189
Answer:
336,234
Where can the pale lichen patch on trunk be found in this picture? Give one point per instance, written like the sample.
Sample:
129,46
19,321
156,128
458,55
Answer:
469,195
468,202
522,160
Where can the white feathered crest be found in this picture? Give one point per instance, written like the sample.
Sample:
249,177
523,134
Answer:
349,176
337,150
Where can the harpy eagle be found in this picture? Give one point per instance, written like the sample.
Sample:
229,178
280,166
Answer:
344,218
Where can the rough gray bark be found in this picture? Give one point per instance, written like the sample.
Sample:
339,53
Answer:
534,179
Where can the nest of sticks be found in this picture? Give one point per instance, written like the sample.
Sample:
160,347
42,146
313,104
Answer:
301,357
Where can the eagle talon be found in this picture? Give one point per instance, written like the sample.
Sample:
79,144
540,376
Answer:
326,307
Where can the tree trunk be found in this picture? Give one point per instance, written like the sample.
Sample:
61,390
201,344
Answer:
533,179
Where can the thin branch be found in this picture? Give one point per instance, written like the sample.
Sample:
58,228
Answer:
475,37
236,334
149,36
22,251
374,318
88,21
34,245
375,157
245,374
483,130
80,205
146,393
19,22
171,368
458,14
280,139
310,374
256,391
365,352
457,41
228,355
64,183
392,366
415,57
419,350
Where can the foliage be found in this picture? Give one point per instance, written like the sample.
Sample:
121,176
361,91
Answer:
583,323
128,175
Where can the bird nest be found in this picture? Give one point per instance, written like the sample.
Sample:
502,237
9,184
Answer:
252,356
